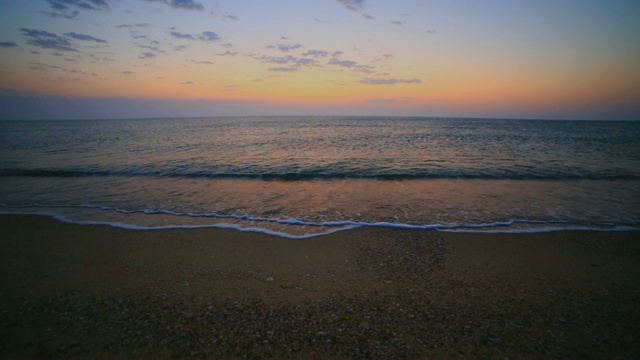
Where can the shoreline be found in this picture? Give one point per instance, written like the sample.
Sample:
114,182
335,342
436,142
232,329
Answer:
98,291
337,226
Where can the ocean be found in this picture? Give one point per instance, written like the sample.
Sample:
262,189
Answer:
299,177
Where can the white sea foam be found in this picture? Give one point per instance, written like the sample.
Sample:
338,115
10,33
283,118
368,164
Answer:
121,225
329,227
546,229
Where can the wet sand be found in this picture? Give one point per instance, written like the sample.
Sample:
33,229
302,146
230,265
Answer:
100,292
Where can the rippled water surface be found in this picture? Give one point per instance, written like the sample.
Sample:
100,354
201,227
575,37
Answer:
309,175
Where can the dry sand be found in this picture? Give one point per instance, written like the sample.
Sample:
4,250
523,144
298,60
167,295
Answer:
99,292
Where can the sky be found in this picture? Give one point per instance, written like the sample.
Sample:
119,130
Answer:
546,59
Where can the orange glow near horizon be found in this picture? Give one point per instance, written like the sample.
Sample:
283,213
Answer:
315,87
476,64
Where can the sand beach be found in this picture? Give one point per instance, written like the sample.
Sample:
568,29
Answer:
100,292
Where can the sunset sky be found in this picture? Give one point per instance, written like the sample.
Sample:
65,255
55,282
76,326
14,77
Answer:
566,59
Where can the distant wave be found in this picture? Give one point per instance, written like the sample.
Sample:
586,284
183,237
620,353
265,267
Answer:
470,174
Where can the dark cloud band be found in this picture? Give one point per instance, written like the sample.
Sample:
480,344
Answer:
47,40
5,44
84,37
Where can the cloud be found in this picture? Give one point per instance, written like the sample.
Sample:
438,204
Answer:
200,62
293,63
37,33
287,48
181,4
389,81
147,55
84,37
262,79
37,66
304,62
62,79
186,5
349,64
187,83
136,35
4,44
343,63
40,66
284,69
128,26
296,62
398,22
152,48
229,17
69,9
384,57
278,60
228,53
316,53
353,5
56,15
368,17
182,36
99,59
207,36
61,5
47,40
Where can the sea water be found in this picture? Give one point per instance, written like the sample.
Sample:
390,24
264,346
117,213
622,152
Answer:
299,177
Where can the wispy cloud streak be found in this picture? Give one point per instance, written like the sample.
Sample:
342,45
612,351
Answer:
389,81
353,5
181,4
207,36
84,37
